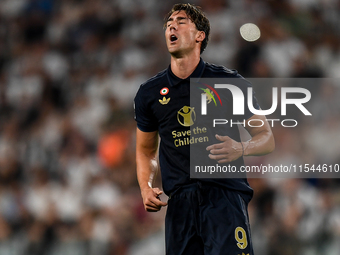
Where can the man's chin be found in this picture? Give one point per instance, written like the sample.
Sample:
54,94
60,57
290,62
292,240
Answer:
175,53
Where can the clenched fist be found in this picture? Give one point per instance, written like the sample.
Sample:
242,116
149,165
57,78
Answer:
151,200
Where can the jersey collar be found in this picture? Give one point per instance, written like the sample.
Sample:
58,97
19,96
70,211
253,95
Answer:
197,73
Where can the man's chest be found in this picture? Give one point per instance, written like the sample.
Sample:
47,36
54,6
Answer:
172,109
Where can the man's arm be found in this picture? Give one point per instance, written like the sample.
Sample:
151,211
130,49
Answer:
261,143
146,150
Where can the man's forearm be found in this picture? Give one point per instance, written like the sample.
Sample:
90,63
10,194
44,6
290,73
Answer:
146,151
262,139
260,144
147,166
146,170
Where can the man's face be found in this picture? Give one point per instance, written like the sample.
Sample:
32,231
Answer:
181,34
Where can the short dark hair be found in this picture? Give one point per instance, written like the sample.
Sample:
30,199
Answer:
197,16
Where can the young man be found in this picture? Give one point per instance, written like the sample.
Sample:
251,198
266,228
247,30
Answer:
204,216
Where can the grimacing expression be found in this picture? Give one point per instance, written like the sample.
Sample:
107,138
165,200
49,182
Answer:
181,34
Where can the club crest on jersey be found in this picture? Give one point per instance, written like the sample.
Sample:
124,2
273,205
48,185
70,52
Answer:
164,100
164,91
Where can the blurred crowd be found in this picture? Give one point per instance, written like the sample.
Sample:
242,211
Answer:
69,70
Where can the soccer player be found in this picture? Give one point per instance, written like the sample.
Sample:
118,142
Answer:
204,216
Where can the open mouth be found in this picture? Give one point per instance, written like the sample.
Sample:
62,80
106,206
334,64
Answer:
173,38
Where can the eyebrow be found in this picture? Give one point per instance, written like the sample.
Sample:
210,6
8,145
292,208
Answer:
178,18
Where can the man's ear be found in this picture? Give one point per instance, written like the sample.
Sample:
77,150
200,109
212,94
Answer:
200,36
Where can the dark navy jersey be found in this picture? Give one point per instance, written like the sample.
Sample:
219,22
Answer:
163,104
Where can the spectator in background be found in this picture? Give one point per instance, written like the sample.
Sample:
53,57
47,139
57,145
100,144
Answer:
61,59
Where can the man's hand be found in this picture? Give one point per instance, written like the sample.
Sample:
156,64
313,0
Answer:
226,151
151,200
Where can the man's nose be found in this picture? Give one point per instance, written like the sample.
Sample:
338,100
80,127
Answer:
173,26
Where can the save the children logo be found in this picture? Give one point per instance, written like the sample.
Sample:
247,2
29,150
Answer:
186,116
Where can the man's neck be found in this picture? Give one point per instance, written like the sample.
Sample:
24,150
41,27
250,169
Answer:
184,67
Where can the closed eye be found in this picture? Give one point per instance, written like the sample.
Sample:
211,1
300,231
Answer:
179,20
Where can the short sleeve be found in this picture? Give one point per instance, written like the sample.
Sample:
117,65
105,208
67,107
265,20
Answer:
144,117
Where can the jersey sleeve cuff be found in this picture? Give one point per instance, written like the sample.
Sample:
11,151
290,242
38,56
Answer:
146,128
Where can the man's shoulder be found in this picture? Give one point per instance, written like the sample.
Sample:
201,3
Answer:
213,70
153,85
157,80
